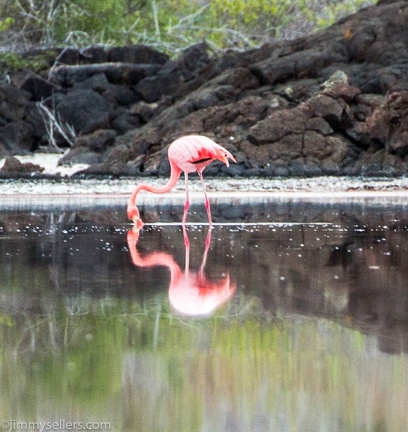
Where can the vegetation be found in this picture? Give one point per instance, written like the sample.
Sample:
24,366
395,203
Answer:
14,61
141,368
170,25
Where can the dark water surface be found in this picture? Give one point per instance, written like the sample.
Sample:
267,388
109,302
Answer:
286,316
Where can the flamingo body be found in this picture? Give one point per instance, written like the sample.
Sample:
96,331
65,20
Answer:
191,153
194,152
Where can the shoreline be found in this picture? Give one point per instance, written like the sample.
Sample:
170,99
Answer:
68,186
74,193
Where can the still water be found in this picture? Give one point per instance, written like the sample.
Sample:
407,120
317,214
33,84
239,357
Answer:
286,316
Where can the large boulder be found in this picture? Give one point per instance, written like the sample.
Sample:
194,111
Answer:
85,111
389,123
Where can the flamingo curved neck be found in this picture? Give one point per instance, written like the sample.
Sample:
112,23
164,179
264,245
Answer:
174,176
155,259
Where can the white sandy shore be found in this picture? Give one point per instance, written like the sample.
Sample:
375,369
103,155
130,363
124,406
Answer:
320,185
220,188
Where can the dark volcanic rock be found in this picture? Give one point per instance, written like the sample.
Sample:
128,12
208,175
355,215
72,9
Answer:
13,166
334,102
17,137
13,103
389,123
121,73
138,54
89,148
38,87
85,110
308,102
174,76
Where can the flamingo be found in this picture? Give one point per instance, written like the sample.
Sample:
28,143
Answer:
190,293
186,154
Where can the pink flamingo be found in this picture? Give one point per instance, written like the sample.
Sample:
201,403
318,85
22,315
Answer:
186,154
190,293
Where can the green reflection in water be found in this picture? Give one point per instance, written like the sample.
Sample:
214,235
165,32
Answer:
144,369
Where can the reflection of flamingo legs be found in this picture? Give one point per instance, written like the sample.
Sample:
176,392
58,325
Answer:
205,254
187,245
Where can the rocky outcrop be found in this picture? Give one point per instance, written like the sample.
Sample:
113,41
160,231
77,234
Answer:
331,103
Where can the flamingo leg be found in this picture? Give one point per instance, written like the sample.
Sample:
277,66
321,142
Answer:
187,203
207,201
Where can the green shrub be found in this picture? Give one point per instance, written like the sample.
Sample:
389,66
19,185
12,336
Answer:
13,61
169,25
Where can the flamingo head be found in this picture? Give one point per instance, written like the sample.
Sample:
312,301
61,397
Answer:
138,223
133,214
224,158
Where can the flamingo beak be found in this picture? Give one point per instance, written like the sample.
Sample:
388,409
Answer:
133,214
138,223
224,158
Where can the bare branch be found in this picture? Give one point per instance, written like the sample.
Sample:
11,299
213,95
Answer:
52,123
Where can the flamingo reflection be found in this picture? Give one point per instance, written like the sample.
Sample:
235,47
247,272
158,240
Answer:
190,293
